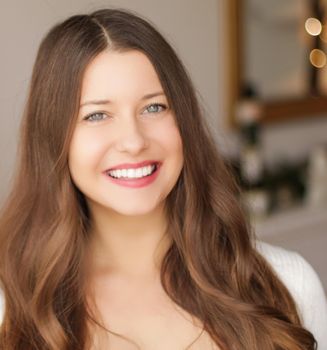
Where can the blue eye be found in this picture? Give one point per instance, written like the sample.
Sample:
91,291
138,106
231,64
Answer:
150,109
95,117
155,108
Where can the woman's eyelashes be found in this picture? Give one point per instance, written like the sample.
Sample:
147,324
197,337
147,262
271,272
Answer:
153,108
95,117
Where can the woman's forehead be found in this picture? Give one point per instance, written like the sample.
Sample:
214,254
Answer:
114,75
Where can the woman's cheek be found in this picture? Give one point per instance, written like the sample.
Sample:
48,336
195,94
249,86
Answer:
88,148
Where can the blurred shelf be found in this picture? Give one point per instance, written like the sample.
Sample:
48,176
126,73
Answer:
302,229
291,221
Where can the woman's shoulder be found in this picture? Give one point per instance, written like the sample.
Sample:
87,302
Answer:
296,273
305,286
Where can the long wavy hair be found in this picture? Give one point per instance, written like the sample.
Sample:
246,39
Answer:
212,269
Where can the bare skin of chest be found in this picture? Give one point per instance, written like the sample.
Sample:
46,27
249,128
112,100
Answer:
148,318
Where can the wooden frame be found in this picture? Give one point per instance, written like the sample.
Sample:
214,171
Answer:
273,112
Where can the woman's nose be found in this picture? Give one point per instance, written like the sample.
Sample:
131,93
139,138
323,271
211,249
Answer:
131,137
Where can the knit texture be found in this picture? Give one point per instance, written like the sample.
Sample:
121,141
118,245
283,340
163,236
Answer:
304,285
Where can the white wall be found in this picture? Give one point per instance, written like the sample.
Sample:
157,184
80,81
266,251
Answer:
196,30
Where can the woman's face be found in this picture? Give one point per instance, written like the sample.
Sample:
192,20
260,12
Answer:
124,120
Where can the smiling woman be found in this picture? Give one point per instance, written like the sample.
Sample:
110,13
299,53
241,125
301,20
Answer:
129,128
123,229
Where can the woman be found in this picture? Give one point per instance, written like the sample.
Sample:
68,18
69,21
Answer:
123,228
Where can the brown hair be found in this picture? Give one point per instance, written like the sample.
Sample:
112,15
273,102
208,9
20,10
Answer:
212,269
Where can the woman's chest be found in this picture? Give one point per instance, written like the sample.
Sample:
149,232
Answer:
148,320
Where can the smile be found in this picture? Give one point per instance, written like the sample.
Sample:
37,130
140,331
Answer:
133,173
134,178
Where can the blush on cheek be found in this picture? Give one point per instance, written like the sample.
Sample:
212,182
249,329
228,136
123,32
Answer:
171,134
88,146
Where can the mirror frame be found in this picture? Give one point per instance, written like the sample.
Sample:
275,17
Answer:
307,107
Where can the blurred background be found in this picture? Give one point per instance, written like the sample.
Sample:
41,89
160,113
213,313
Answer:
259,67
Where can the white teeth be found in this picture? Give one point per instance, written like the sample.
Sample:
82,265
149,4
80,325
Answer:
139,173
144,172
132,173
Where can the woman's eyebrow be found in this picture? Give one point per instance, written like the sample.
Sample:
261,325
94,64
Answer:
105,102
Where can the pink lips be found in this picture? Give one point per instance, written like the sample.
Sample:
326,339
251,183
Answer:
137,182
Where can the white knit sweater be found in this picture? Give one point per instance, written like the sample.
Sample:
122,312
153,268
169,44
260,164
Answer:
302,282
304,285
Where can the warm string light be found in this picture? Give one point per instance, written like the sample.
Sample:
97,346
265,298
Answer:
318,58
314,28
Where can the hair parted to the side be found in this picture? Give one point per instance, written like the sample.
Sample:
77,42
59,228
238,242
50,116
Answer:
212,269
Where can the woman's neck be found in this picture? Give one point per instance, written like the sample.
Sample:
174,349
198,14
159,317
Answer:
132,247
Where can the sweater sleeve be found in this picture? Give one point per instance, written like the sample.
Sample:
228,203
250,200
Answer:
304,285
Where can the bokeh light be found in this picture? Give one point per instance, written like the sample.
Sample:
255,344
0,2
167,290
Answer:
313,26
318,58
